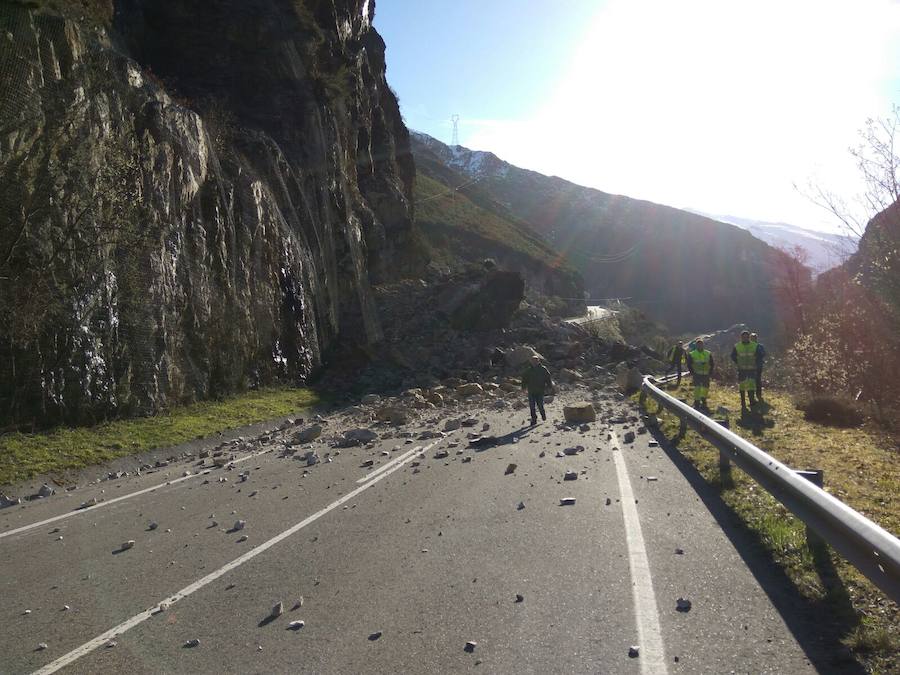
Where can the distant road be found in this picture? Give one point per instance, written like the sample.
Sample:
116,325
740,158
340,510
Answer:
594,313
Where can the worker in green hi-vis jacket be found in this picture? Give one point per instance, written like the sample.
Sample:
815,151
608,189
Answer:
744,355
701,366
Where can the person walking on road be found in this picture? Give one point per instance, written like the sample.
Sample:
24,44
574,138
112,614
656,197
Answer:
700,365
760,359
676,356
536,381
744,355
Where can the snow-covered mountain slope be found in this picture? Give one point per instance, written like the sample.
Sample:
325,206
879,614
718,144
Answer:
824,250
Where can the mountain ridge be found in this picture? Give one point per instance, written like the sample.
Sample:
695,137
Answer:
658,255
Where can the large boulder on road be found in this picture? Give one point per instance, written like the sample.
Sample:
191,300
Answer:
628,378
308,434
580,412
395,416
470,389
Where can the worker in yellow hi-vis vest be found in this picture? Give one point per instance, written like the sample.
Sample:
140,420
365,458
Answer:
701,366
744,355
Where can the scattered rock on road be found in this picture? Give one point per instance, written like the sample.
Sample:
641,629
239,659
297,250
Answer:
583,411
152,526
570,475
277,610
520,597
510,468
683,605
520,506
375,636
190,644
634,651
127,545
296,625
45,491
41,647
470,646
629,437
567,501
239,525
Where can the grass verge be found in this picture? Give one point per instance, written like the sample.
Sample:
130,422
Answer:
64,449
862,469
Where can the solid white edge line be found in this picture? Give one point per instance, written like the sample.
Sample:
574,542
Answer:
139,618
652,653
78,512
380,469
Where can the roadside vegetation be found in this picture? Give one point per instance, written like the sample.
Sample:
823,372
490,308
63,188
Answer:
861,468
23,456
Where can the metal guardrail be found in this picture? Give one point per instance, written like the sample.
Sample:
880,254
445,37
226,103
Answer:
871,549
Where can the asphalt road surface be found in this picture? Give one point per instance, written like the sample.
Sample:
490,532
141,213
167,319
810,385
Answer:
401,563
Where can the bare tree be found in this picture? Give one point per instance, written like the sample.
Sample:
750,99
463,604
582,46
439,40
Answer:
879,166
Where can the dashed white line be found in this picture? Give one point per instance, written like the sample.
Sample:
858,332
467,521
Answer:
128,624
130,495
652,654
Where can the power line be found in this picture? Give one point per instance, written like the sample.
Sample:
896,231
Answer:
455,140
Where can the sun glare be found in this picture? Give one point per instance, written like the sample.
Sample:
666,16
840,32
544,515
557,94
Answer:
716,105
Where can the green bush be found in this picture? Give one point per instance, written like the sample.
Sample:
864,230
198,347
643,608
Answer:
830,411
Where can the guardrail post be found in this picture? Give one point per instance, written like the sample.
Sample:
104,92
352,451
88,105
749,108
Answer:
817,478
725,469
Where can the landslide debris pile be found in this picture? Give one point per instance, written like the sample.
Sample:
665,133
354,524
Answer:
195,197
427,344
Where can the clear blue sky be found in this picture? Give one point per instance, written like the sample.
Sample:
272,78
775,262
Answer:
717,105
479,59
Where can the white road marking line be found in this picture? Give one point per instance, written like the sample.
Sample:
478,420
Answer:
116,631
652,655
89,509
380,469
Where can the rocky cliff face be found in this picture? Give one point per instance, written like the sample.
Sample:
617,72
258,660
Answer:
195,197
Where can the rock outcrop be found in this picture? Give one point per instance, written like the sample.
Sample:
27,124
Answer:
195,197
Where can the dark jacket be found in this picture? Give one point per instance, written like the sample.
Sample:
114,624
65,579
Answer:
536,379
677,354
760,355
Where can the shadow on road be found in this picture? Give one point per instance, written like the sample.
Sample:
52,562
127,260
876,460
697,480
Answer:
818,625
487,442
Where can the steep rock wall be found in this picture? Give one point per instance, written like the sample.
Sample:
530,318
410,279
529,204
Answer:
194,198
